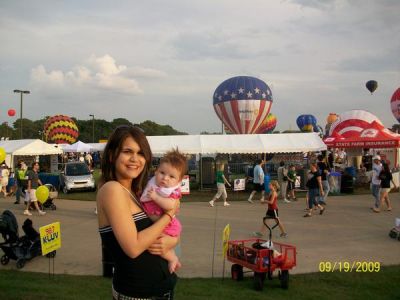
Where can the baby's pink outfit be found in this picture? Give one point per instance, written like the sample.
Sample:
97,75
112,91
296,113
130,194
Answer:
174,227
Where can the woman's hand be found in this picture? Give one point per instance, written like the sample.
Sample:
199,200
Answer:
163,244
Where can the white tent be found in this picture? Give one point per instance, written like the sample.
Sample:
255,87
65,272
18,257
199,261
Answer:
235,143
77,147
29,147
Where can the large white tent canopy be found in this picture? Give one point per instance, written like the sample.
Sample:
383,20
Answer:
77,147
235,143
29,147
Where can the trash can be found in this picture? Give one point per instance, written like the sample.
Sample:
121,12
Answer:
108,264
335,182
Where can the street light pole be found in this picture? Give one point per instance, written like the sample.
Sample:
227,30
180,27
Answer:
20,113
92,127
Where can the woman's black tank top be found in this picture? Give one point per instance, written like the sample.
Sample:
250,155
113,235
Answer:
144,276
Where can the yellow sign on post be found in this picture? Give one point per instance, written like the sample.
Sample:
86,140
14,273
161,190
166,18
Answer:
225,239
50,237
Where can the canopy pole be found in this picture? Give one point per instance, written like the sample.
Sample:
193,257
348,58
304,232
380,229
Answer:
201,172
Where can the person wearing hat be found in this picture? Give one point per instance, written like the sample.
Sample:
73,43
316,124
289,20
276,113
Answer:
375,181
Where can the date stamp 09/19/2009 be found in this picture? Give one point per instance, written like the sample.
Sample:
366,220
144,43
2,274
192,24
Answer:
349,266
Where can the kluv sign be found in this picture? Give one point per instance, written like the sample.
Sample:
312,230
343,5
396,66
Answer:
50,237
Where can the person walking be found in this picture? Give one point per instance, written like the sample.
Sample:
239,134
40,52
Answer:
272,211
258,181
33,184
323,169
283,180
386,178
315,190
221,190
375,181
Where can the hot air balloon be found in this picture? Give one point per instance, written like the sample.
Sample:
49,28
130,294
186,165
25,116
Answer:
268,125
306,123
242,103
332,117
395,104
371,85
353,121
11,112
61,129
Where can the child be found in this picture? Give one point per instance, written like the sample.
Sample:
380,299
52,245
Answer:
221,180
272,211
160,194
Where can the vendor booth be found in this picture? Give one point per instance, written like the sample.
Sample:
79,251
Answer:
31,150
360,132
212,145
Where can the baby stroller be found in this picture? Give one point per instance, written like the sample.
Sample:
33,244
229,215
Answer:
17,248
53,194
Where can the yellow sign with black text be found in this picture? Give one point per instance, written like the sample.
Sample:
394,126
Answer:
50,237
225,238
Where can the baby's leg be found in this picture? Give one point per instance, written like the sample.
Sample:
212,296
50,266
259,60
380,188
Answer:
173,261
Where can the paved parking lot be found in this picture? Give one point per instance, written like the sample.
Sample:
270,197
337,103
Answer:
348,231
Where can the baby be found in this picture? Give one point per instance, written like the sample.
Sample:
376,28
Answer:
160,194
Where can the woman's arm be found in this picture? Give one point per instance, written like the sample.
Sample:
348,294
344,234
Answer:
115,206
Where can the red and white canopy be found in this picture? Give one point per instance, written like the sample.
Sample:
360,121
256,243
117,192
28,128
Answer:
360,129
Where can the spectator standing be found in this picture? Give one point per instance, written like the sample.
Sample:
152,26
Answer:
21,181
258,180
283,180
89,160
324,171
292,182
375,181
5,174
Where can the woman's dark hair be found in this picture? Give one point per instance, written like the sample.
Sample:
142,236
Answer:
113,149
282,163
258,161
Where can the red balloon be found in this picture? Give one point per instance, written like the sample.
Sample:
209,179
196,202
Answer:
11,112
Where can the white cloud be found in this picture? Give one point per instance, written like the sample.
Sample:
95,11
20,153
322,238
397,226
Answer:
95,73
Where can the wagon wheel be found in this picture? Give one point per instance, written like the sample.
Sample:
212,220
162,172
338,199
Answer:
259,281
237,272
51,254
284,279
4,260
20,263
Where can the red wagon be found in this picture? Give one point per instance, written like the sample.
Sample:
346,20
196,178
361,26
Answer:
261,260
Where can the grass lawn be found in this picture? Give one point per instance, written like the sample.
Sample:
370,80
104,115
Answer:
381,285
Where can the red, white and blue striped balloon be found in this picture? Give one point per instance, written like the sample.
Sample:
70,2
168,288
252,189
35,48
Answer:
242,103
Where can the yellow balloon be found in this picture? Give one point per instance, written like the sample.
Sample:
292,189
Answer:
42,193
2,154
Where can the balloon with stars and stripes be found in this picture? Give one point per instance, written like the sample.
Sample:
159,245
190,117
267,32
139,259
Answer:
60,129
242,103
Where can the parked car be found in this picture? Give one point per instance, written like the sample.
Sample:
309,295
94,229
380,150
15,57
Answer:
76,176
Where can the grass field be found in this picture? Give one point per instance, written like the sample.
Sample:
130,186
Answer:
382,285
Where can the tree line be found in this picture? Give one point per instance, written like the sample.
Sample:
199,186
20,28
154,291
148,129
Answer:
102,129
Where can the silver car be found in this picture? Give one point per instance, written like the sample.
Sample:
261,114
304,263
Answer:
76,176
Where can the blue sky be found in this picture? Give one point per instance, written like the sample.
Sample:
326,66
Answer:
162,60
